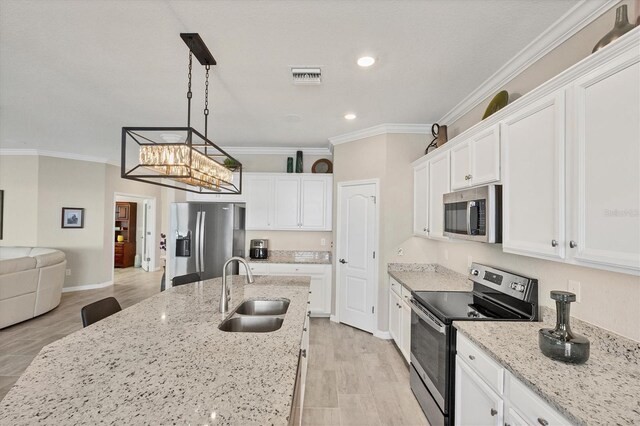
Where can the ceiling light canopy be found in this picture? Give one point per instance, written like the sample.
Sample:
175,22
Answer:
350,116
366,61
182,157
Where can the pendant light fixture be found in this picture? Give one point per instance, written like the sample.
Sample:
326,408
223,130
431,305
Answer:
182,157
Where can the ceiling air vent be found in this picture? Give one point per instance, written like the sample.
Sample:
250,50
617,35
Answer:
306,75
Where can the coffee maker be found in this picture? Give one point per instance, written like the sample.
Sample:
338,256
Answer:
259,249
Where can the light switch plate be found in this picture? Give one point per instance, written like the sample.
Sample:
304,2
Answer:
574,287
323,241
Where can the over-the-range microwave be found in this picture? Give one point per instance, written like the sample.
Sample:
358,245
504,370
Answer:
474,214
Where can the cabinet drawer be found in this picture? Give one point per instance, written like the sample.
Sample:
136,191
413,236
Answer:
296,269
257,268
395,286
119,248
533,409
491,372
406,295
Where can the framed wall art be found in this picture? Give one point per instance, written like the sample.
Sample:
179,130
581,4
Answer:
72,217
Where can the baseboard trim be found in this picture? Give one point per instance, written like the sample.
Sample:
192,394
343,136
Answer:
385,335
334,318
87,287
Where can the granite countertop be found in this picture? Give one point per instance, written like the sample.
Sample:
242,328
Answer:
292,256
428,277
164,361
603,391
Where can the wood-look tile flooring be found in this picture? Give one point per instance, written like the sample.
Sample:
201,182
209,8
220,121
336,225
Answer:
356,379
20,343
353,377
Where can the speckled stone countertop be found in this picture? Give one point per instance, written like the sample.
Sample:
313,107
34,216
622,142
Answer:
288,256
603,391
164,361
428,277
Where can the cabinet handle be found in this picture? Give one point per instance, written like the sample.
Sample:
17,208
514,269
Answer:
304,329
543,422
470,177
425,229
554,243
573,244
342,261
471,357
494,411
304,353
309,313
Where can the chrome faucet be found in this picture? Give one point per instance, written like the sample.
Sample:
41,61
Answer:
225,295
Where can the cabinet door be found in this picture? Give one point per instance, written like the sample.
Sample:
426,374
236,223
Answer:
439,179
533,144
476,403
395,315
512,418
314,202
405,345
259,197
606,193
287,201
460,166
317,296
421,200
485,157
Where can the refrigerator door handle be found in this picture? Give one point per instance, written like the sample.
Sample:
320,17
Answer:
202,237
197,248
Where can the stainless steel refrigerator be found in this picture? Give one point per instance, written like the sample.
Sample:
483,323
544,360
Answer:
203,236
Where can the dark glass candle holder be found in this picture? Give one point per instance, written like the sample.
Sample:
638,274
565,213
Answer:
561,343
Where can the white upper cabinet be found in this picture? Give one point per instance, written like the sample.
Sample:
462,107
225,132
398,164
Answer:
287,202
533,142
259,196
605,190
279,201
477,161
438,184
421,200
315,206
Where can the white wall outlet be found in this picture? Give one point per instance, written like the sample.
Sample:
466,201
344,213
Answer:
323,241
469,261
68,272
400,251
574,287
446,254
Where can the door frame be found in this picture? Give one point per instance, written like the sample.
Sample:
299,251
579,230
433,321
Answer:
376,245
151,240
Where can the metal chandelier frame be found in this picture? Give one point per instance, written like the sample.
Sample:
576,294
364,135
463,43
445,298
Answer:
183,175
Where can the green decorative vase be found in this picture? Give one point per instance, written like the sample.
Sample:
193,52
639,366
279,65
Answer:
290,165
299,162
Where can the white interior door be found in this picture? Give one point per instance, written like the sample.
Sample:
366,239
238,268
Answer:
357,229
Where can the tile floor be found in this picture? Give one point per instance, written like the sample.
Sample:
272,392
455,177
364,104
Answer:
353,377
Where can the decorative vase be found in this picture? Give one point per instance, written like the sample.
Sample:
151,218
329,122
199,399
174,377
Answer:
290,165
120,238
561,343
298,161
621,27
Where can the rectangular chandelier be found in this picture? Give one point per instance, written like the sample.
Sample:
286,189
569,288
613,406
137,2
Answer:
179,157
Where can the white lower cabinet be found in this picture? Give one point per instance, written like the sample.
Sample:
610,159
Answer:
320,297
400,317
476,403
487,394
295,419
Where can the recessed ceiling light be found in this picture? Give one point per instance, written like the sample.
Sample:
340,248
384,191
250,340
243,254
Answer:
350,116
366,61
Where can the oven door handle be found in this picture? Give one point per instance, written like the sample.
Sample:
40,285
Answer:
418,310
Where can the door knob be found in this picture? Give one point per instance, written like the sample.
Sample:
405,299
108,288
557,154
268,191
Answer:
342,261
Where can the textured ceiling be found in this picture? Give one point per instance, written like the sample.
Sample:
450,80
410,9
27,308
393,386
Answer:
72,73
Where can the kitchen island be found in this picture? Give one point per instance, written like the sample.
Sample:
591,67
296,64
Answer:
165,361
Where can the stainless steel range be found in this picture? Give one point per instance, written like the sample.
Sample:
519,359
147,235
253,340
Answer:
497,296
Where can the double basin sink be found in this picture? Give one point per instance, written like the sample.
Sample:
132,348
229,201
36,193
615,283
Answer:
256,316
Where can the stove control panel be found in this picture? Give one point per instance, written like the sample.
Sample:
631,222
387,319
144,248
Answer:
517,287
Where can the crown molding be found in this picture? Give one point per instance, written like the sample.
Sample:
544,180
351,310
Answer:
263,150
578,17
55,154
381,129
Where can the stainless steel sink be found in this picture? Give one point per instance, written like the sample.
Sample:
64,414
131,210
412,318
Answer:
263,307
251,324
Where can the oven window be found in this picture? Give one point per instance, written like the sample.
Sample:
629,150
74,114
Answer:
429,348
455,217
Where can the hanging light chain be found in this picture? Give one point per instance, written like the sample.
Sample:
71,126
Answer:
189,94
206,98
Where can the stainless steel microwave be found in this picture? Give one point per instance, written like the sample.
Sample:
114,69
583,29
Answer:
474,214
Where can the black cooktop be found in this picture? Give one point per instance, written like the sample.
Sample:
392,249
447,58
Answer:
450,306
